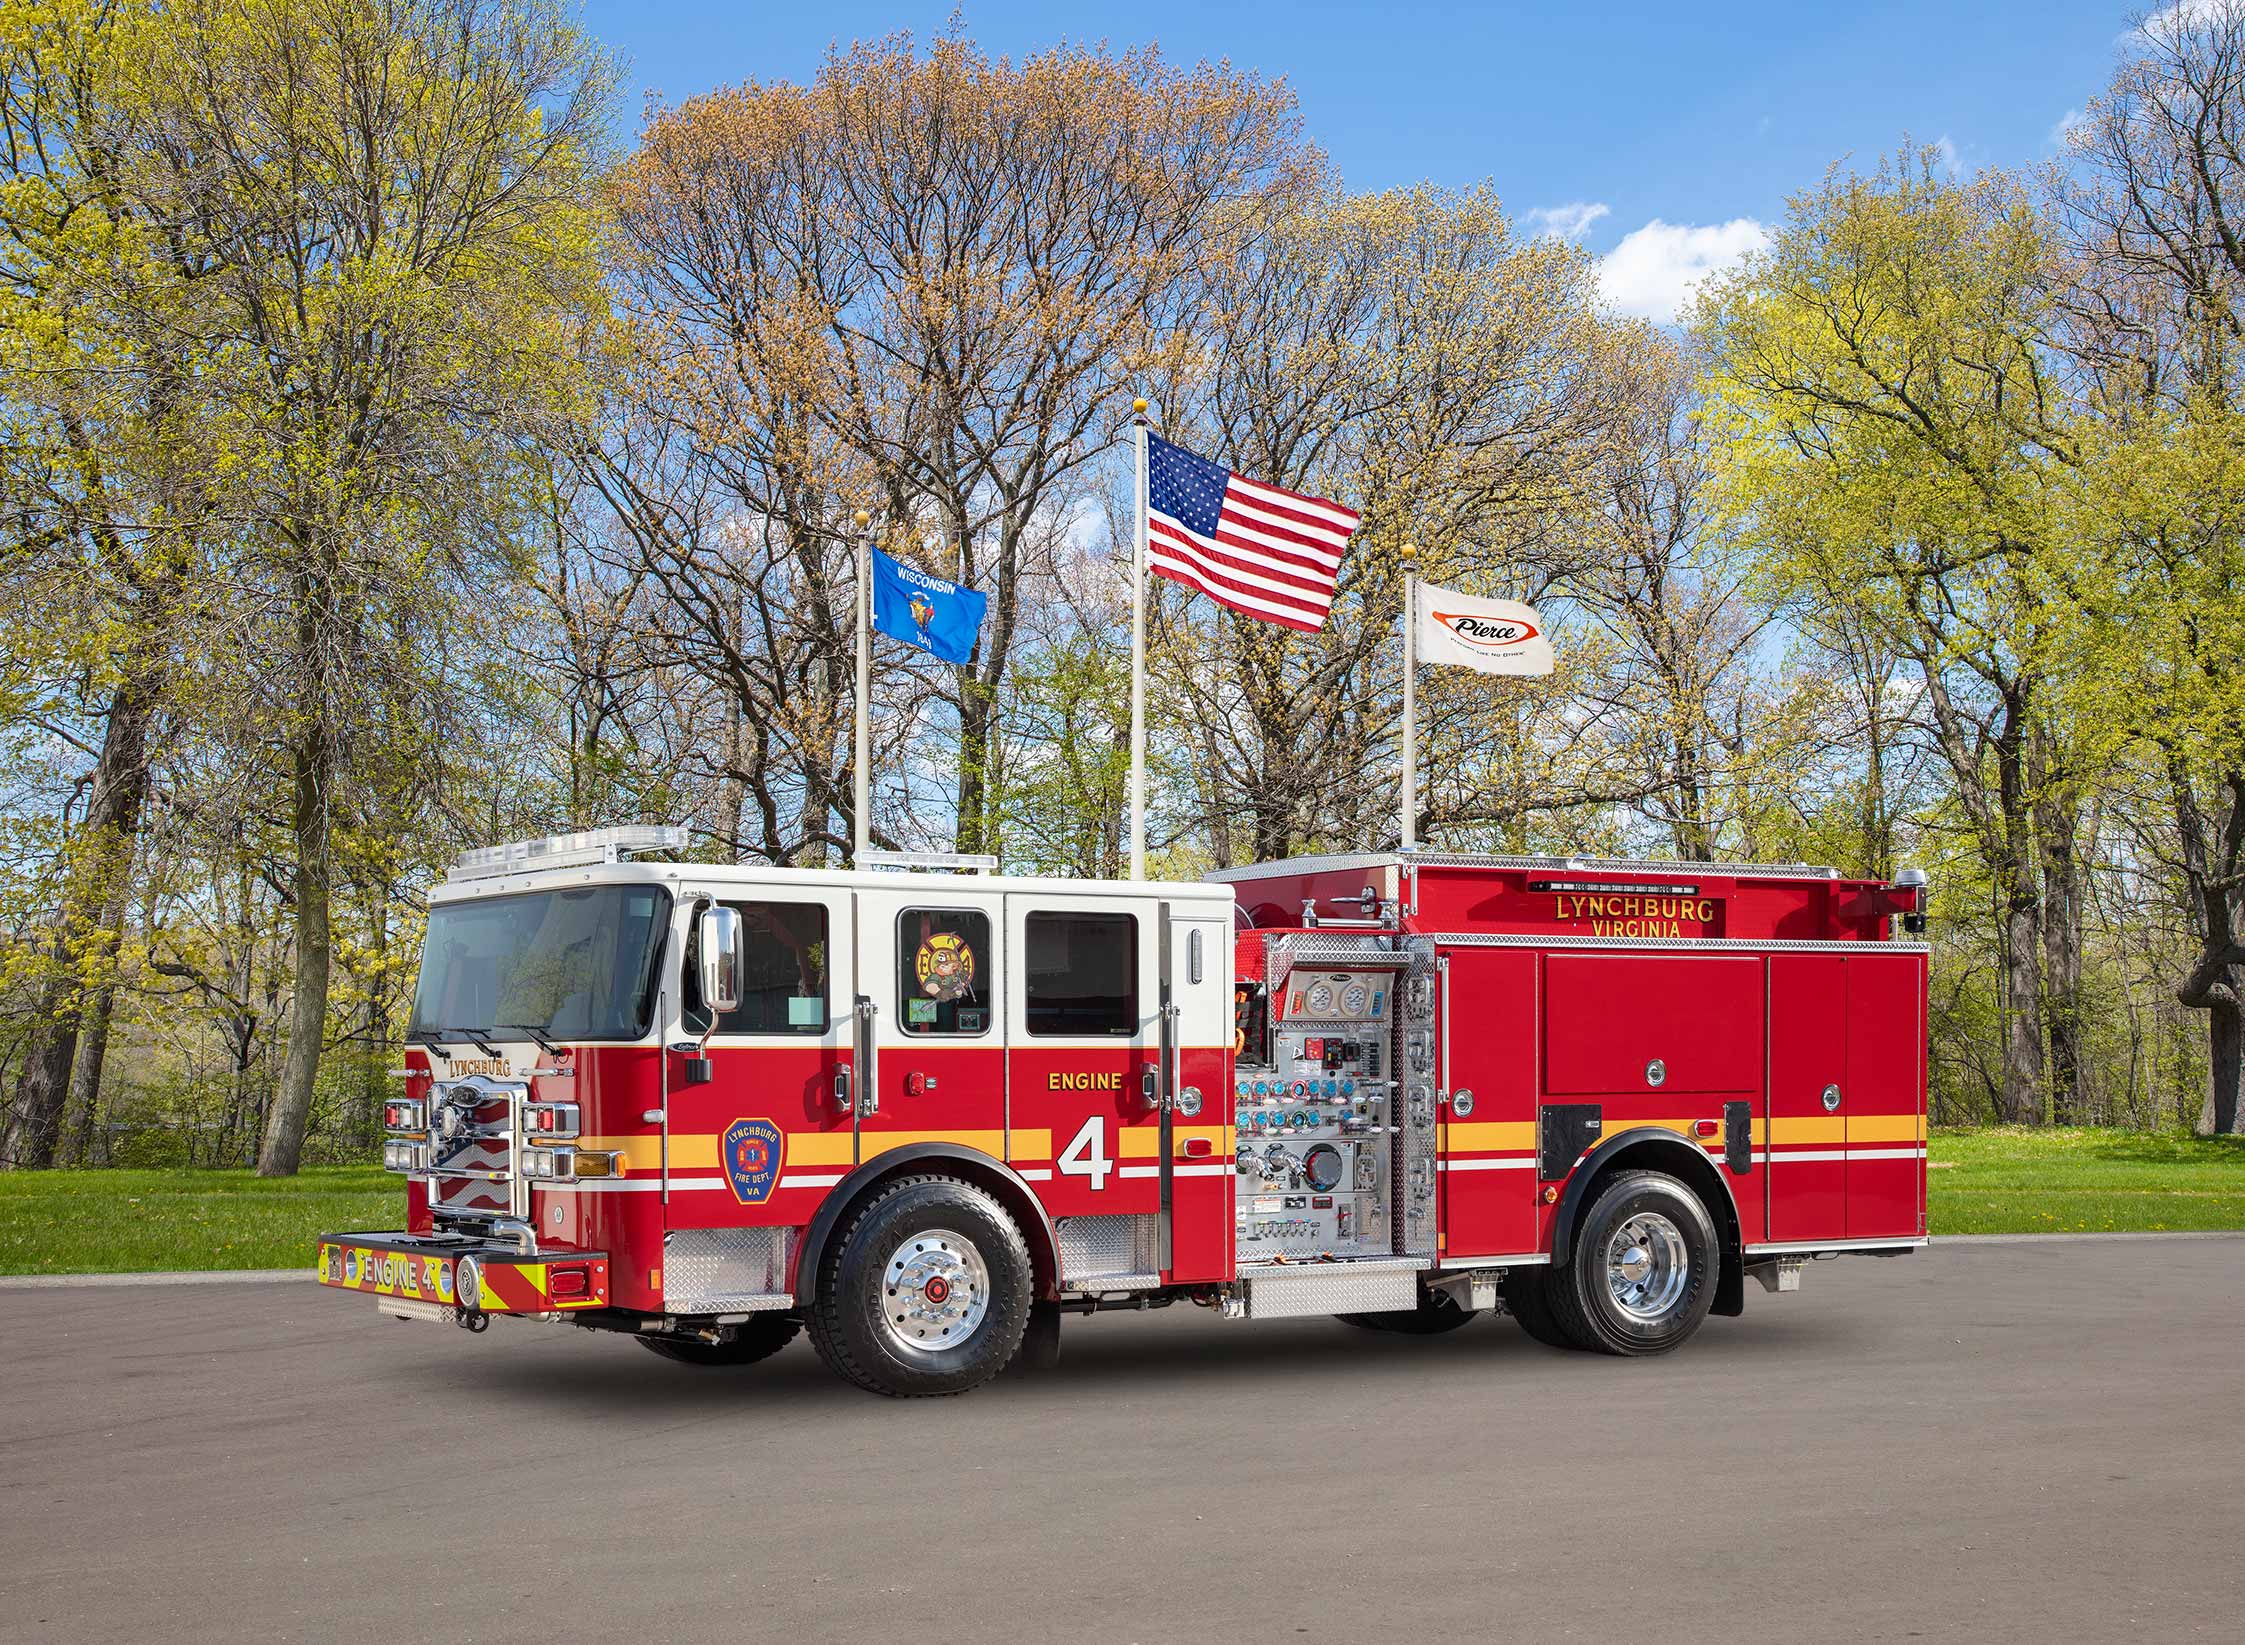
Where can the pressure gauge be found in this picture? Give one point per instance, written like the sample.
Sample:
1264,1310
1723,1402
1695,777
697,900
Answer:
1355,999
1320,998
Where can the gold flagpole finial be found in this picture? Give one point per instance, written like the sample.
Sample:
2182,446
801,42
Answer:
862,518
1138,408
1410,551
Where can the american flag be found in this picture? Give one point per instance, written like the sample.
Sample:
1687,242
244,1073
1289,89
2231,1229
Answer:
1271,553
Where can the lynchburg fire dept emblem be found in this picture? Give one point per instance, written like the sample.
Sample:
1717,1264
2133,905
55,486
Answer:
753,1151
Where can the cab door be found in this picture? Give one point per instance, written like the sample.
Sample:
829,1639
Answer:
1088,1123
759,1142
933,974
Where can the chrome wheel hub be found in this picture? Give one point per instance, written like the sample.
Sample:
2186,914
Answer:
1647,1266
935,1291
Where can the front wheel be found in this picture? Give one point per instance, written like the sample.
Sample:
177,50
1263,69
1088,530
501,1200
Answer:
1642,1273
925,1291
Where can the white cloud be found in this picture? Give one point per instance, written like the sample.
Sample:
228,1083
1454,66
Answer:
2061,134
2171,20
1946,147
1653,270
1568,222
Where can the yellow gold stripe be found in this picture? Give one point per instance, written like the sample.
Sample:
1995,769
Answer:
1886,1128
1031,1144
1809,1128
1467,1135
1141,1141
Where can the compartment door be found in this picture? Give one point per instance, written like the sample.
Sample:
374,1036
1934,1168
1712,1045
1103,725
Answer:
1487,1052
1884,1095
1809,1039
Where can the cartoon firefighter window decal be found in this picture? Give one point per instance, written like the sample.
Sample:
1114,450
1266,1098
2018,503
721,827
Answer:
943,971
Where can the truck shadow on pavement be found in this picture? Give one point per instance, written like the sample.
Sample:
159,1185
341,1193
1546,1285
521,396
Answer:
1149,1356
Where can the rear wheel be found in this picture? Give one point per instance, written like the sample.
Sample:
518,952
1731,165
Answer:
1642,1273
760,1336
1526,1302
925,1291
1435,1314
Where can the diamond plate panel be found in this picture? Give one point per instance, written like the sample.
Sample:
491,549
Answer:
1337,1288
724,1270
1105,1247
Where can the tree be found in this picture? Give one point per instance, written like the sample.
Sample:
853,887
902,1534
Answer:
1894,425
392,196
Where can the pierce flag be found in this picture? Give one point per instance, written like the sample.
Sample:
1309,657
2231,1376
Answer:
1494,636
937,616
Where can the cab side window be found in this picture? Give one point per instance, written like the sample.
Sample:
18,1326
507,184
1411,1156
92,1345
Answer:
943,984
1081,973
784,944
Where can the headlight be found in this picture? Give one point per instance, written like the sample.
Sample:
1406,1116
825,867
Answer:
406,1114
565,1164
398,1155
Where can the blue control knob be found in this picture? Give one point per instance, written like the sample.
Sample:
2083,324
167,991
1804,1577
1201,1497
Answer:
1348,1088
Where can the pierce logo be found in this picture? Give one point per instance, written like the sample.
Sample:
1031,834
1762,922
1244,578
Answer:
753,1152
1486,633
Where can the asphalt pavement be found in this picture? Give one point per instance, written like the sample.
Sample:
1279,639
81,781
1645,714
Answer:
1987,1442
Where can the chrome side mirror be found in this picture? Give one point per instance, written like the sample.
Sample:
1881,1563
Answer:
724,965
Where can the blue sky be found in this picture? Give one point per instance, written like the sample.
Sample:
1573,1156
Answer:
1698,118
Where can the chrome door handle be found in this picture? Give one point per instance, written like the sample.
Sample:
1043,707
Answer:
1831,1099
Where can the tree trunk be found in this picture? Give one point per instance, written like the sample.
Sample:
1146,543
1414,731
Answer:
282,1150
2225,1037
83,930
2022,1016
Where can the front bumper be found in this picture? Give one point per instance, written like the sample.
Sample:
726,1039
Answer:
500,1279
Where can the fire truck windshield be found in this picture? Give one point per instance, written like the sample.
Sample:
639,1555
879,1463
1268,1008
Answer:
565,965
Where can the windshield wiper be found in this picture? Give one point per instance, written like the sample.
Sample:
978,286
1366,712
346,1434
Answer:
428,1037
480,1038
532,1029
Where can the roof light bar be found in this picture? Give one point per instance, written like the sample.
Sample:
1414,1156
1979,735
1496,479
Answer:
591,845
956,862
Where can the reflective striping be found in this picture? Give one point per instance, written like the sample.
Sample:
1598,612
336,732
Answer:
1808,1128
1885,1153
1885,1128
1201,1170
1030,1143
1137,1170
1034,1174
1468,1136
1486,1164
1848,1154
1808,1155
809,1182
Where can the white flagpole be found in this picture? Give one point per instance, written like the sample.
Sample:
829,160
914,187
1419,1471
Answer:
1410,829
1138,656
862,754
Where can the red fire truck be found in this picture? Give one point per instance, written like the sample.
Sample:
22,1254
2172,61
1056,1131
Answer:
922,1114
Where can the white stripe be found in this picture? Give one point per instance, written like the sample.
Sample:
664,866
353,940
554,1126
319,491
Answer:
1200,552
1183,566
1886,1153
810,1182
1275,559
1184,571
1813,1154
1137,1170
1344,517
1032,1174
1318,557
1200,1170
1484,1164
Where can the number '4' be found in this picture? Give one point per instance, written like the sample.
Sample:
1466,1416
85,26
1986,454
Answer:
1086,1153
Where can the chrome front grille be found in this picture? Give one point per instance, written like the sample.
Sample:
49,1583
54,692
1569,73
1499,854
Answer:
475,1147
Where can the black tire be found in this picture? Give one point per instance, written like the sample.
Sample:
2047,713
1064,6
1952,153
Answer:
854,1319
1435,1314
1525,1301
1582,1300
760,1336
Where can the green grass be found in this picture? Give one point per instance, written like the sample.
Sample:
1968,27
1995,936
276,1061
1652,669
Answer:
2011,1180
2006,1181
106,1222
